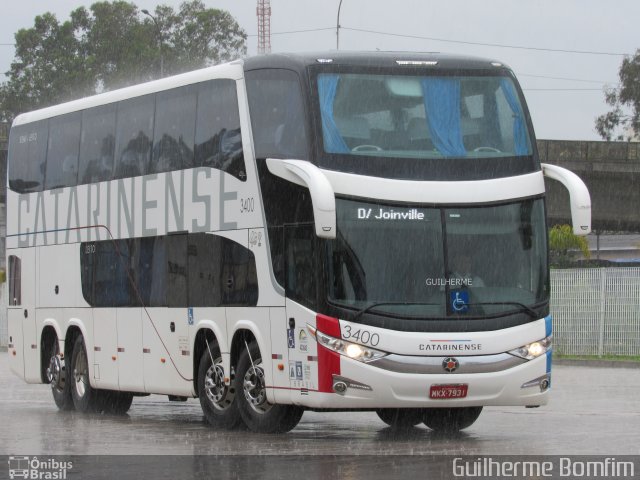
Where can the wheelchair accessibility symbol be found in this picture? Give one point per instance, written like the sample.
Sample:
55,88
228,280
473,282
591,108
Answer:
460,301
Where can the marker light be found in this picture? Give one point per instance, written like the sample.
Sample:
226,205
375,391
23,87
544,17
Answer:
534,349
355,351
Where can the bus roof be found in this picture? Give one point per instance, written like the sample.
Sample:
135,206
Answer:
370,59
293,61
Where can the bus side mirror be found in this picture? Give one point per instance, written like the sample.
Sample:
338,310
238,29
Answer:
323,198
578,197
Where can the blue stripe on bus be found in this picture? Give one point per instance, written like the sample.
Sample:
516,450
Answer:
548,326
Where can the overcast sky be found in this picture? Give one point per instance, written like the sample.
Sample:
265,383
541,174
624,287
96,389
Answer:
563,104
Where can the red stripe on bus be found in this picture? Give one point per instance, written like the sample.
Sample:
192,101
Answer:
328,361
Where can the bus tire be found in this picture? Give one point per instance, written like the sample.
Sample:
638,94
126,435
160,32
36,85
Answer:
112,402
217,400
401,418
85,397
56,375
451,420
259,415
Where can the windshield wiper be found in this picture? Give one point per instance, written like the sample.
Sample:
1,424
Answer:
359,313
528,310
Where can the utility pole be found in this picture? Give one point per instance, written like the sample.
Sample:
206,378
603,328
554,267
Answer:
160,42
338,27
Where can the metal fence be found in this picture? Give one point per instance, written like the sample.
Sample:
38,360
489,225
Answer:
596,311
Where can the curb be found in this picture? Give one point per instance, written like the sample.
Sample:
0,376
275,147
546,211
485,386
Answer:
596,363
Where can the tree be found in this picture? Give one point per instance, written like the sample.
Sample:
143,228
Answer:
111,45
562,240
622,99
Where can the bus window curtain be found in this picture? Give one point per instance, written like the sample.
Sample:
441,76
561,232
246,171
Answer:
333,142
520,144
442,106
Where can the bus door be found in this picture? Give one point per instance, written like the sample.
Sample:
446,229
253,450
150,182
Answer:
23,336
302,274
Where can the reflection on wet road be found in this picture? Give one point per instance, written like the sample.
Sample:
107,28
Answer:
593,411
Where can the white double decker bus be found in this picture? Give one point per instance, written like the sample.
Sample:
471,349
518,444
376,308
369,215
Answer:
285,233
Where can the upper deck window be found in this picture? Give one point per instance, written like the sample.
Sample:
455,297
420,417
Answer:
277,114
421,117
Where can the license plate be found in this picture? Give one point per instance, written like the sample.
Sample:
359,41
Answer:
445,392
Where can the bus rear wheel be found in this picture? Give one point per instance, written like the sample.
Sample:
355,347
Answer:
112,402
257,413
56,375
218,401
401,418
85,397
451,420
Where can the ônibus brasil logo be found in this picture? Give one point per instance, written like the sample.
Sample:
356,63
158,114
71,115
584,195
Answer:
34,468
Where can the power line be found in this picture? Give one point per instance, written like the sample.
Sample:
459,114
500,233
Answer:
520,47
297,31
562,90
565,78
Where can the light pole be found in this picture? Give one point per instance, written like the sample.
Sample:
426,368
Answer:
160,43
338,27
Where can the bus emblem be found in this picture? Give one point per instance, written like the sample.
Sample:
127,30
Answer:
450,364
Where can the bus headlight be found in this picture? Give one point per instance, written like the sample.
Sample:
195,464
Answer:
358,352
534,349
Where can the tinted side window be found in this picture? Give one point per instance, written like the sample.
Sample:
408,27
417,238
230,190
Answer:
218,139
62,153
300,263
176,251
27,155
277,114
134,132
205,270
15,280
97,144
241,279
196,270
105,273
174,130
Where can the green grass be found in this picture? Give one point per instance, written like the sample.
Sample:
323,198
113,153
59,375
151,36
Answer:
619,358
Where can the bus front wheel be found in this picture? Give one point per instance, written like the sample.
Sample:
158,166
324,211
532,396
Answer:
218,401
450,420
85,397
401,418
258,414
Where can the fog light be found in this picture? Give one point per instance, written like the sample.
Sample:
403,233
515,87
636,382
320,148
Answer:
340,387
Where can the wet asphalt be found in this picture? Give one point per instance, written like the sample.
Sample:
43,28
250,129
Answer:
593,411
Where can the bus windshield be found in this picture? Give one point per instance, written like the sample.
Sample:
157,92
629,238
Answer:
421,116
427,262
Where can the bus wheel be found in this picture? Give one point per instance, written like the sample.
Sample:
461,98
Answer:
217,399
401,418
57,377
112,402
258,414
85,397
449,420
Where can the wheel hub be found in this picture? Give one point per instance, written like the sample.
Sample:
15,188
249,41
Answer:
214,384
54,371
254,391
